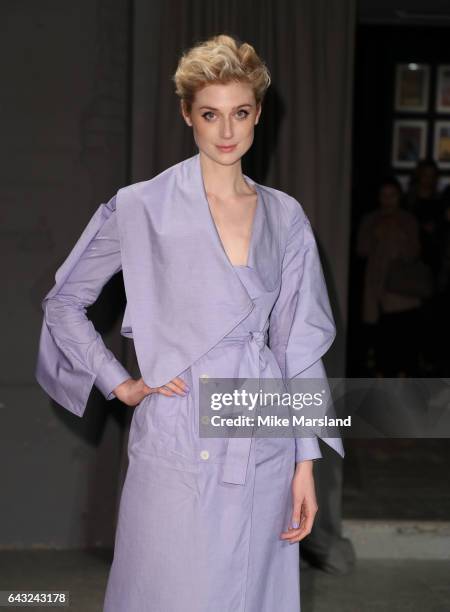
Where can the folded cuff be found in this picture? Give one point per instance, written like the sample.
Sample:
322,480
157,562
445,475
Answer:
307,448
109,377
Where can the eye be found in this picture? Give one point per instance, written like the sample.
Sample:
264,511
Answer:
246,113
207,113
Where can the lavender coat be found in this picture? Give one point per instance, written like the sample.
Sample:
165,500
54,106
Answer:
199,518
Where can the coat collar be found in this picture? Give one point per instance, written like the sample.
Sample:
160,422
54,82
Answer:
264,248
183,293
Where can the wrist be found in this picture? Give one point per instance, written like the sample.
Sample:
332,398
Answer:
122,389
306,464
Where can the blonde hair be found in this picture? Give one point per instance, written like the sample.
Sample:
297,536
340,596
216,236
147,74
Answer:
220,59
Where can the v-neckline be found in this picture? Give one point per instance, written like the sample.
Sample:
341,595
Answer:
254,221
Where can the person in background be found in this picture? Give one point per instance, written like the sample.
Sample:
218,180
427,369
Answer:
385,234
423,201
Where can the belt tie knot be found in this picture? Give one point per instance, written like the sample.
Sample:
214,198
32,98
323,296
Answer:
258,337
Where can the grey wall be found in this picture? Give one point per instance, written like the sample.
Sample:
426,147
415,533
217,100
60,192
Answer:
67,134
64,69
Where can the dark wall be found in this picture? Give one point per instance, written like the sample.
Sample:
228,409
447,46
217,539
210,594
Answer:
378,50
65,142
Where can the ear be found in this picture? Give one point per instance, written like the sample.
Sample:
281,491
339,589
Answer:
185,114
258,113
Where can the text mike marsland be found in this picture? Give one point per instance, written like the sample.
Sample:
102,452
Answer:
275,421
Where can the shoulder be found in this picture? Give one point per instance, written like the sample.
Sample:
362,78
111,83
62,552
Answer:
288,208
294,227
135,191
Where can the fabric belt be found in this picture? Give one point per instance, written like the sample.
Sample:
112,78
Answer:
250,366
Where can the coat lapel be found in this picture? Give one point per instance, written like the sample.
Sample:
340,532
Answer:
264,249
265,254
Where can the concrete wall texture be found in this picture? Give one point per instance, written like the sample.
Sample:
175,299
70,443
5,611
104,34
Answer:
65,68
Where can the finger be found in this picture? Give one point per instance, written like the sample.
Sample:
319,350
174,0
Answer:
306,523
298,538
169,389
305,528
296,514
304,531
179,381
176,388
179,385
165,391
295,535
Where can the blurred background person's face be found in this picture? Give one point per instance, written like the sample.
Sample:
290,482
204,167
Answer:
427,177
389,198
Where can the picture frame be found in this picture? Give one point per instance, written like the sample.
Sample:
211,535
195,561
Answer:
409,142
441,144
412,85
443,89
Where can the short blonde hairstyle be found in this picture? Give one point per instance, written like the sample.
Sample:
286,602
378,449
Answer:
220,59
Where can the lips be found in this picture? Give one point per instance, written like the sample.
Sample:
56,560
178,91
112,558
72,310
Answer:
226,148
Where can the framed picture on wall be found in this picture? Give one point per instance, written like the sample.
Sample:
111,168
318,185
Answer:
443,89
408,142
412,83
441,149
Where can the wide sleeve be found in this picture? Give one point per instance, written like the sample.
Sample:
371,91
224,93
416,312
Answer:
72,356
301,326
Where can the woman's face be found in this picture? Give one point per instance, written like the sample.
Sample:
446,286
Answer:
223,115
389,198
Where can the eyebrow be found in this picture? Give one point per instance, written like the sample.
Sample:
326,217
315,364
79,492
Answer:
212,107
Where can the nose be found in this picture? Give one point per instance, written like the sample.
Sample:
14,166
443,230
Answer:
226,130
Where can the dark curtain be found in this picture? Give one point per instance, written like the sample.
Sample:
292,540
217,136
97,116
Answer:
302,143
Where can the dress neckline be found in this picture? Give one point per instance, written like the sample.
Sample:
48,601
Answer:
255,221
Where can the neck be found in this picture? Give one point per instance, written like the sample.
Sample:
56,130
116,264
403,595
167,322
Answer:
223,181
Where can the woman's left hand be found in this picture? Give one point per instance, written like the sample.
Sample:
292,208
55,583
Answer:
304,503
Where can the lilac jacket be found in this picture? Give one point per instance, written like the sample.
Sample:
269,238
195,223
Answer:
183,293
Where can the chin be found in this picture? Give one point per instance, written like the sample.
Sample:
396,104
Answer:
234,156
226,159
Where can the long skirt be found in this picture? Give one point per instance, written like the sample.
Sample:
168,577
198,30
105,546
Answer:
188,542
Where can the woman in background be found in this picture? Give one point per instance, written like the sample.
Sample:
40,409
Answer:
385,235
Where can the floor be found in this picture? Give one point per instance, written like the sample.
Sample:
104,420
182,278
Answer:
397,479
396,499
374,586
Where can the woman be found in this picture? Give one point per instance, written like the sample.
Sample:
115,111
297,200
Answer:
384,235
214,265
